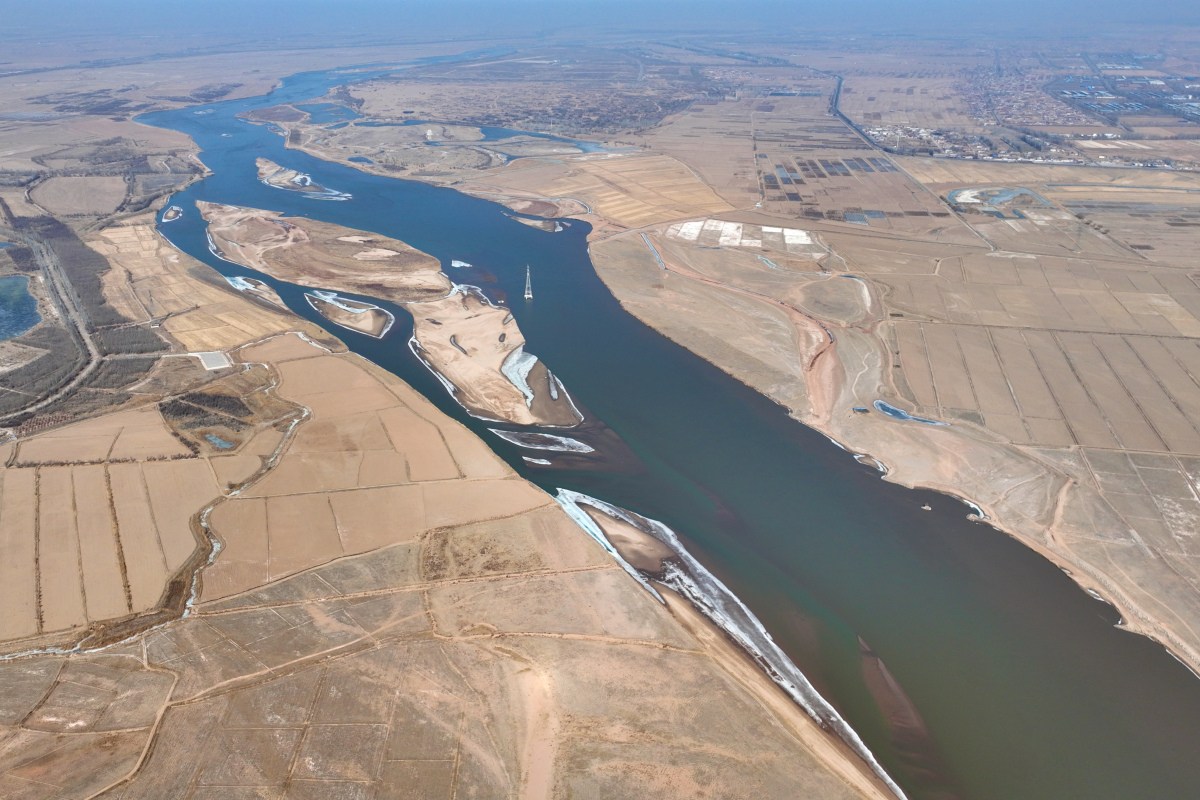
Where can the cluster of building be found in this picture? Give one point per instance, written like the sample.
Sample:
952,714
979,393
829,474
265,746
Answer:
910,140
1185,109
1017,99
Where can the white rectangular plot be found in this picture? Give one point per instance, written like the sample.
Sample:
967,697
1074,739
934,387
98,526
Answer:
213,360
793,236
731,234
710,233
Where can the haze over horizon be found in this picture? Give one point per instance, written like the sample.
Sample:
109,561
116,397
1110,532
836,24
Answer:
412,19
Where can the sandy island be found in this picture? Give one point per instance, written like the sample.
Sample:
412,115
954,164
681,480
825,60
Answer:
280,177
256,288
322,255
548,225
477,348
357,316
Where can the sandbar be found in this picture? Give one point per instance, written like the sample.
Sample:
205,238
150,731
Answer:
477,349
322,255
357,316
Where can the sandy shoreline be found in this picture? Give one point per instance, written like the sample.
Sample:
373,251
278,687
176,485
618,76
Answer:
364,318
655,557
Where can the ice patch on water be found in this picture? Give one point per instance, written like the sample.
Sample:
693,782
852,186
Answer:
516,368
543,441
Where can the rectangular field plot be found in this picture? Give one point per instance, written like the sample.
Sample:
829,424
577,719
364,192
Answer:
1058,388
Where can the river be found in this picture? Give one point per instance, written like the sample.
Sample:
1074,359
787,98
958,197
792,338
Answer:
1025,688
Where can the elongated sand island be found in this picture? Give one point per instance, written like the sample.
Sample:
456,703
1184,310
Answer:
281,177
256,288
477,350
322,255
472,345
357,316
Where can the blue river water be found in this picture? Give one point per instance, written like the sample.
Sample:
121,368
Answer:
18,308
1018,685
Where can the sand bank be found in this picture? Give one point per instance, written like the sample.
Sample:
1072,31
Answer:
653,554
322,255
357,316
256,288
273,174
477,350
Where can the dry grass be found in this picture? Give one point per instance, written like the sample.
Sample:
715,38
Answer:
375,465
71,196
322,255
108,536
151,280
628,190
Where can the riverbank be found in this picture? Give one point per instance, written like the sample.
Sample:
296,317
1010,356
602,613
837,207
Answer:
829,372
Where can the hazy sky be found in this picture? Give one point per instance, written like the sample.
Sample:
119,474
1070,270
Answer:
406,19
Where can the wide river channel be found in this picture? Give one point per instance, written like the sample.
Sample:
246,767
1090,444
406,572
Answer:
1026,689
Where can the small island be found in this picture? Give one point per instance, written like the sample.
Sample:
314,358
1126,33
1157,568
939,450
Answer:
353,314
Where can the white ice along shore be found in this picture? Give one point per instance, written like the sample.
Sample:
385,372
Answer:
571,502
240,283
212,248
304,182
712,598
419,352
516,367
334,300
543,441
